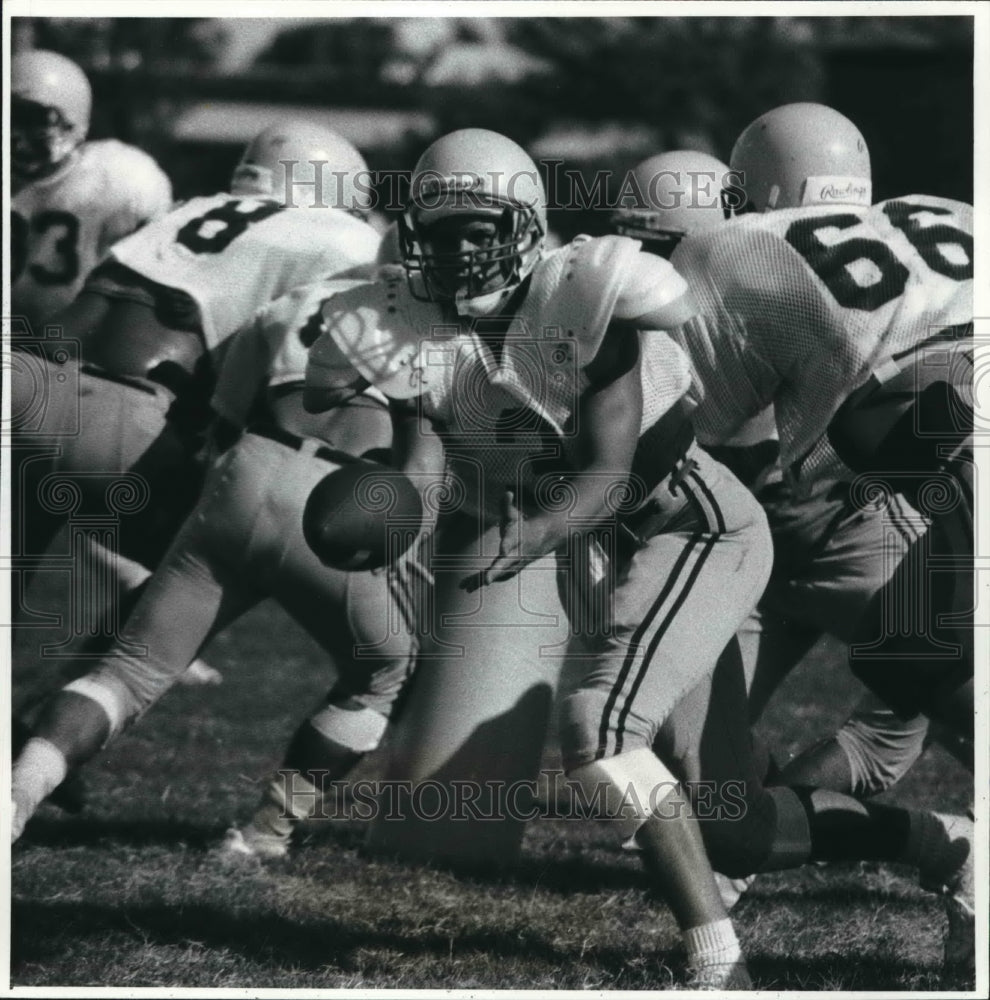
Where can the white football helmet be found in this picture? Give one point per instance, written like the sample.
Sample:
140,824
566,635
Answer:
304,164
802,154
472,174
50,105
677,193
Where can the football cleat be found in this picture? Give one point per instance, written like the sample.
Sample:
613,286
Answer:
960,909
71,794
17,822
250,842
960,936
731,889
955,879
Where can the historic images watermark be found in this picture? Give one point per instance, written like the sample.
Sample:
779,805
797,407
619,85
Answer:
551,796
566,189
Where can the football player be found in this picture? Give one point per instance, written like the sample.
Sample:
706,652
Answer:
244,542
660,592
910,427
151,321
683,193
153,318
799,296
462,347
71,199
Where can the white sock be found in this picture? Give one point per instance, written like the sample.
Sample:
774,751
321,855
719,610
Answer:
712,944
40,769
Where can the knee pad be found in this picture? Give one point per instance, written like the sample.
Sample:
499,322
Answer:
111,698
627,789
350,725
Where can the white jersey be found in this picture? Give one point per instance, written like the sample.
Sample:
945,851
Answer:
797,305
62,225
500,406
273,348
233,254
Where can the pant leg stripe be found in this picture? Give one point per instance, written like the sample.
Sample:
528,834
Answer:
708,504
719,525
637,637
648,655
901,521
404,601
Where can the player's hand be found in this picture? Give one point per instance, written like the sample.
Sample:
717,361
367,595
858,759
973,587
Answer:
524,539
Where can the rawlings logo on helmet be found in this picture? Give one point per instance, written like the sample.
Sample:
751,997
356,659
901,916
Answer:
843,190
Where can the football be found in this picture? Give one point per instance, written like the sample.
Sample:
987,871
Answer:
361,516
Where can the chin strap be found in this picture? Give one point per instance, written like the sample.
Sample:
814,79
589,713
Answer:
483,305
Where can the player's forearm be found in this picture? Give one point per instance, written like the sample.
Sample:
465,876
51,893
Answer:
417,449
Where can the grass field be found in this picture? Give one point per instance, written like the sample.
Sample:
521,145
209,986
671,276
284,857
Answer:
132,893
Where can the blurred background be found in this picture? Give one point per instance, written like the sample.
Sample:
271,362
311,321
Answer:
598,94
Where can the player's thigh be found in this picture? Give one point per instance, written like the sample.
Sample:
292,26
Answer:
915,644
191,596
676,608
352,615
481,696
521,617
118,423
828,569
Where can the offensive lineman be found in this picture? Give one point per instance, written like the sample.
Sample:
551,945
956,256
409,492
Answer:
153,318
243,542
472,250
71,199
152,321
798,301
835,554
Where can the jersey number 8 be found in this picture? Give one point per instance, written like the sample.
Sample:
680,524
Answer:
214,231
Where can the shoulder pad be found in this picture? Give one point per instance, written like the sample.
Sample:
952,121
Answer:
120,159
133,177
578,285
298,300
384,333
